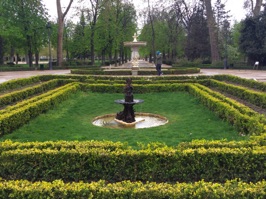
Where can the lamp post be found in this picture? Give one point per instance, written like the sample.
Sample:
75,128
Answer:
49,27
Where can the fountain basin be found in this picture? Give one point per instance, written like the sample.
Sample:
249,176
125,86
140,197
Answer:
135,101
143,120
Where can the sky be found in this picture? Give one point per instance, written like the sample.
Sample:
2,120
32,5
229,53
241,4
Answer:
235,7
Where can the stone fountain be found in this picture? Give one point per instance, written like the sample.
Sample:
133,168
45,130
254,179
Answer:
127,116
135,44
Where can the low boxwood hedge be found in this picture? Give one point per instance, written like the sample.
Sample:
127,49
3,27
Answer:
131,190
20,114
159,165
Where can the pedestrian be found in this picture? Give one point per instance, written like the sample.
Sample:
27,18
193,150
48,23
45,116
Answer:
159,61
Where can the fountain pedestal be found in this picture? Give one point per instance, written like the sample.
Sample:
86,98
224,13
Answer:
127,115
135,44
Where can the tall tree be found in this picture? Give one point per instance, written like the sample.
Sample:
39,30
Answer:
253,40
24,19
253,7
198,44
60,33
212,31
93,11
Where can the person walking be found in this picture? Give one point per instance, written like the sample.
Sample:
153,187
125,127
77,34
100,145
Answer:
159,61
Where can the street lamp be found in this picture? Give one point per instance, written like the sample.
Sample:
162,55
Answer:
49,28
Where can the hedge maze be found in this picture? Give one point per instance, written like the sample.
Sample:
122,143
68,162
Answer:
94,169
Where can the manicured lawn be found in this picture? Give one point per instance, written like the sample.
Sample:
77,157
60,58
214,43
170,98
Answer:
72,120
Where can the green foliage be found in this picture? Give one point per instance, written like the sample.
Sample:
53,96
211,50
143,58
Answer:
93,164
18,83
22,94
255,97
25,24
249,83
243,122
131,190
128,172
94,71
252,39
72,120
198,42
22,112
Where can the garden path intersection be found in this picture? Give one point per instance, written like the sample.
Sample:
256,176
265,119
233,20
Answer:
259,75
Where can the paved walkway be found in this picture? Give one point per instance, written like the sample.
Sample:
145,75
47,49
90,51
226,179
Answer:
5,76
259,75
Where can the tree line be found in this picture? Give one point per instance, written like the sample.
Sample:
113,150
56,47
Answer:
199,30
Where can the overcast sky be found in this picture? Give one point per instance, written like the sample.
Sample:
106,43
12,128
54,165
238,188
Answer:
235,7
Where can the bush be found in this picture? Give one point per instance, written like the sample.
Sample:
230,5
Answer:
103,190
163,164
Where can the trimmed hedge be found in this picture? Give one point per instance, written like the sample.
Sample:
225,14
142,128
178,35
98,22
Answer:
240,107
22,94
103,190
255,97
18,83
253,84
158,165
147,88
22,113
140,72
59,145
242,122
194,144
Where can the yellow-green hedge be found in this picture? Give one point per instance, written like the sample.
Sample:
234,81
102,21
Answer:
12,119
18,95
257,98
163,164
234,189
251,83
18,83
243,122
107,145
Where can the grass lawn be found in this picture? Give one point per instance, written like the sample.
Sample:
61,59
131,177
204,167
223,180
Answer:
72,120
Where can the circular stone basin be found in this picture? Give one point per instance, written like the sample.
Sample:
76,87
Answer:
143,120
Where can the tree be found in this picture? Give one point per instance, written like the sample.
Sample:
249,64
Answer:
24,25
80,39
253,39
198,43
60,32
253,8
212,32
93,12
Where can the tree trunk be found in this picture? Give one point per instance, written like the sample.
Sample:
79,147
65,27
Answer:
29,51
1,50
153,31
256,10
17,60
12,53
60,41
60,33
92,46
37,59
212,32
